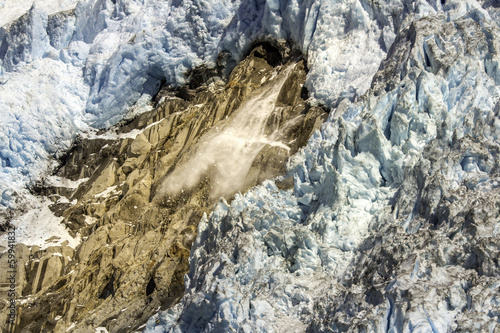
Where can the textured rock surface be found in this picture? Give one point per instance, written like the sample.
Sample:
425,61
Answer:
136,235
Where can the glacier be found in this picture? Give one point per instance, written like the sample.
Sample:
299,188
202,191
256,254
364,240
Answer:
392,224
68,67
393,221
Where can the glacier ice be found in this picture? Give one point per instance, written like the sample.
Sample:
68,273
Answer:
393,221
110,53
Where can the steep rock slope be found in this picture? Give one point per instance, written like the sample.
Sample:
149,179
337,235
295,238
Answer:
393,221
144,186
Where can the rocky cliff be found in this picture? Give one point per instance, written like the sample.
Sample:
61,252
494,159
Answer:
145,184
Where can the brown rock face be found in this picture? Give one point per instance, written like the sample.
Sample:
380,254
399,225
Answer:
149,185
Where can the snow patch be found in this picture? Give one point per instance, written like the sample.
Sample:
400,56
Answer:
38,226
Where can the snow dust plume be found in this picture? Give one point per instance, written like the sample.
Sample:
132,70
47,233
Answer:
227,151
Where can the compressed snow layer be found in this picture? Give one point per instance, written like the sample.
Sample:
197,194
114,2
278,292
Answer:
12,9
389,224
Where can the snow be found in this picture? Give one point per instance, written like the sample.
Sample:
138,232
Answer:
101,330
57,181
12,10
71,327
107,192
38,225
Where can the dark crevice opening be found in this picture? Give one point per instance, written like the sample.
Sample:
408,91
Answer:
42,275
268,52
151,286
304,93
4,46
427,59
108,289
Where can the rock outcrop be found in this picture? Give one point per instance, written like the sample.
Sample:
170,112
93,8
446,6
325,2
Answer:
136,227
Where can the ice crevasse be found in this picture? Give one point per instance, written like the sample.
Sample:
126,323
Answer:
393,224
70,66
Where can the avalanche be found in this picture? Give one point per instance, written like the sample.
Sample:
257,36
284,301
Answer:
69,71
393,222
